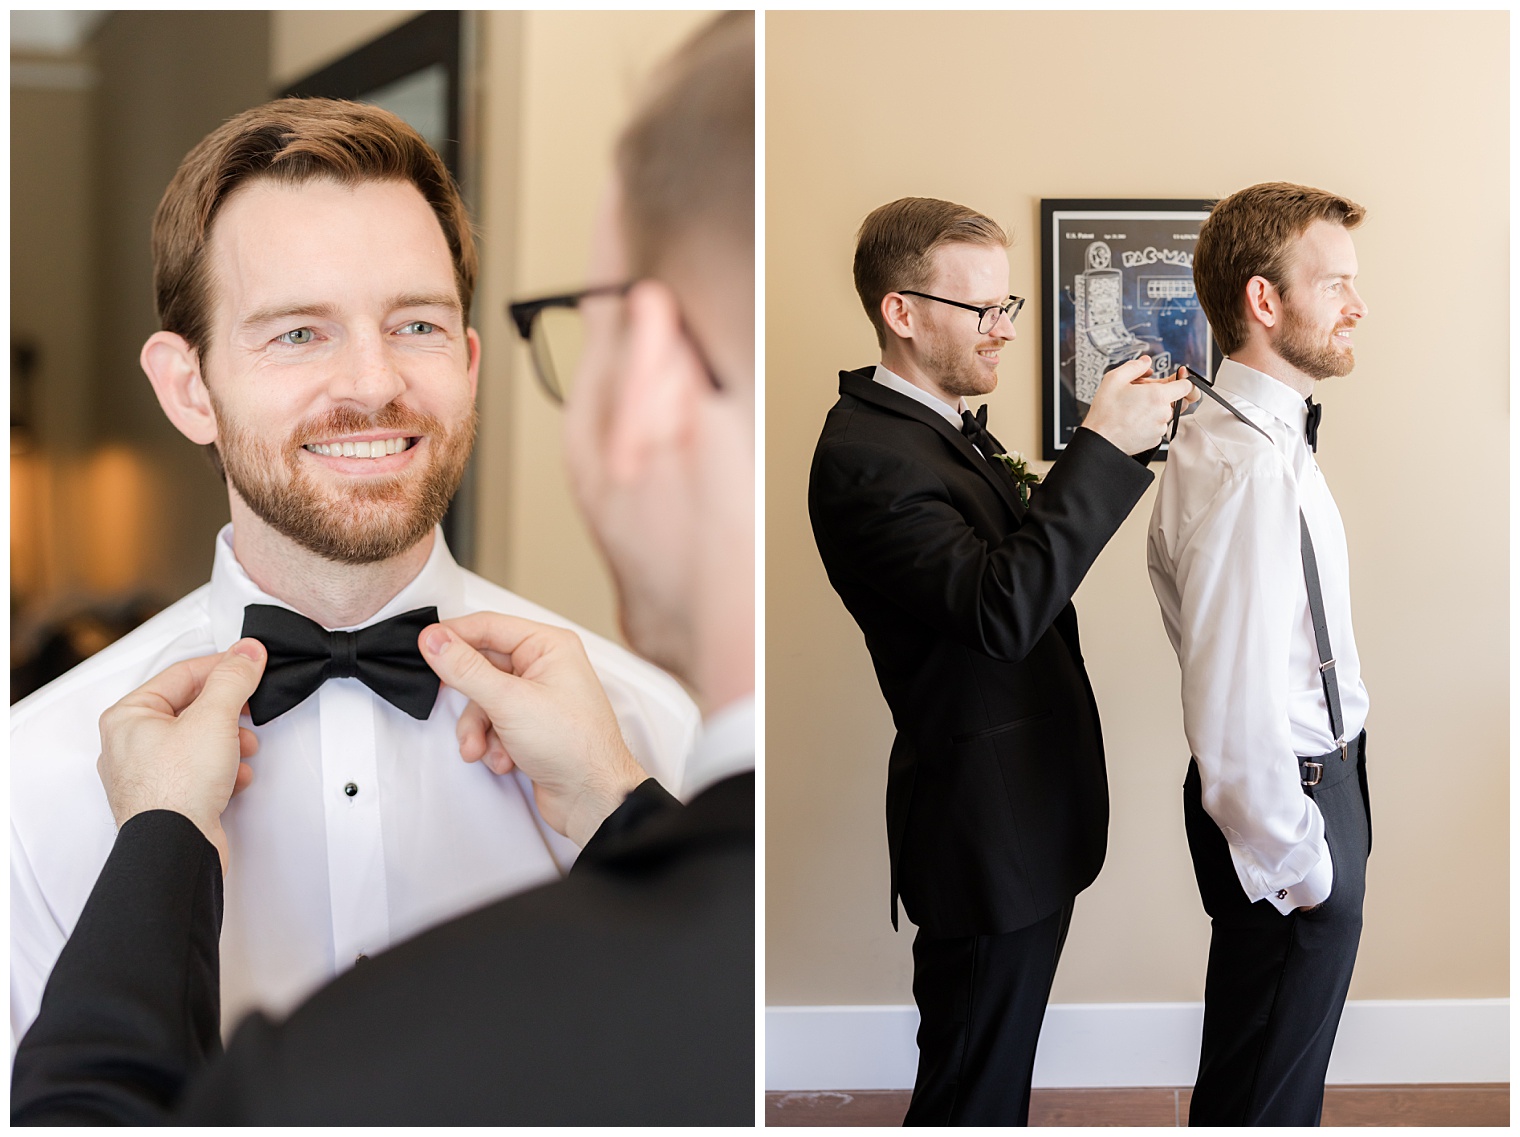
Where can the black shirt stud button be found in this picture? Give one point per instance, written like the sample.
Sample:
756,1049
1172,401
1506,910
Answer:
361,958
1282,893
351,789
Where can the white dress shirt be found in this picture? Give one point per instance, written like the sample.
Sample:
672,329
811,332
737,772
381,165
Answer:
1224,557
725,746
321,875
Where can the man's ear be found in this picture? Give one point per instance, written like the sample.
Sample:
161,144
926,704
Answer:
1264,303
896,315
175,372
659,385
472,337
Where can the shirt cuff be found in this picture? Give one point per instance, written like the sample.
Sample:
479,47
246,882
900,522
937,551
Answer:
1313,889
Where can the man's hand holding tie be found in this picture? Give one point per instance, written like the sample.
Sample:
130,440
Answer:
536,705
1133,408
175,743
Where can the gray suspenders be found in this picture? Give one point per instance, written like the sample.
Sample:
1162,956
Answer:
1311,582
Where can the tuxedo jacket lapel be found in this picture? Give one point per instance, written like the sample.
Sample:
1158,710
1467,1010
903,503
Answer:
867,390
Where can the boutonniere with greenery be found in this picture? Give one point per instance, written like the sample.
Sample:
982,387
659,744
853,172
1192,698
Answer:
1022,474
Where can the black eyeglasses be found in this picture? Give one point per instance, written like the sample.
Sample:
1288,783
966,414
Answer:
556,335
986,318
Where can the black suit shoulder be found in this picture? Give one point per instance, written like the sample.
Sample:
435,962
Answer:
911,522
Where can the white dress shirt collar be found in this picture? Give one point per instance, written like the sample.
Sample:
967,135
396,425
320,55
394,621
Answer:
1271,395
440,582
725,746
903,387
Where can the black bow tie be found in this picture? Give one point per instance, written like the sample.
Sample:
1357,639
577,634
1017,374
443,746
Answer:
303,655
974,427
1311,424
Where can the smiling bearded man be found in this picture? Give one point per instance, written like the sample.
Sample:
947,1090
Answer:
1248,559
314,270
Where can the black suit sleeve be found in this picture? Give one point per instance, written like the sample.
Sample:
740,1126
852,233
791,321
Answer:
133,1006
648,802
893,520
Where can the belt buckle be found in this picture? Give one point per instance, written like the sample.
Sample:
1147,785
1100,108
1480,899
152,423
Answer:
1318,769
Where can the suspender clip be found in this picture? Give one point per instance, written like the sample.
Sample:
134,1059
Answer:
1315,769
1342,743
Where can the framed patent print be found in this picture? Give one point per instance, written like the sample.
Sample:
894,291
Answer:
1118,281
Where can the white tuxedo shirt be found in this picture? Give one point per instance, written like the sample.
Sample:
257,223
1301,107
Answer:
1225,563
320,878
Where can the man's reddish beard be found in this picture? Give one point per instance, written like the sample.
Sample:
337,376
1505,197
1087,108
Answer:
956,374
370,521
1307,348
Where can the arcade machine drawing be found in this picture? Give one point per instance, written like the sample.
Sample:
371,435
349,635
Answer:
1118,284
1103,340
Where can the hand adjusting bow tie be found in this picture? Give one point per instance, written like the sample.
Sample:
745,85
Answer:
303,655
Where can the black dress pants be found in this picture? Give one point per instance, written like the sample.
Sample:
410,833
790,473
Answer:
981,1002
1277,984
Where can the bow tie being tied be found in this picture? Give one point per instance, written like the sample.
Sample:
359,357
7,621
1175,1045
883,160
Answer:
974,427
303,655
1311,424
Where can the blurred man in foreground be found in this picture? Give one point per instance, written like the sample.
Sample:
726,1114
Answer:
624,994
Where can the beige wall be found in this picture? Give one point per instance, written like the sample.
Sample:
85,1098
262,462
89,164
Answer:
556,88
1404,112
302,42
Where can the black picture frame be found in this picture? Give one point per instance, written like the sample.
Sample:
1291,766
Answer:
1112,293
418,70
428,41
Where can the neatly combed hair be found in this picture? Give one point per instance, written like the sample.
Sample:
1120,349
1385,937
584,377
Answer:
1252,233
291,141
686,161
895,247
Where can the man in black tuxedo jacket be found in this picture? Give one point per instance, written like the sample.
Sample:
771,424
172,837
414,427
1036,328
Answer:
621,995
997,799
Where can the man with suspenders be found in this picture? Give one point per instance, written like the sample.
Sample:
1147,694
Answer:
1248,559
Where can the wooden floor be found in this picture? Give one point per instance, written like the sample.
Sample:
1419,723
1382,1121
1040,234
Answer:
1344,1105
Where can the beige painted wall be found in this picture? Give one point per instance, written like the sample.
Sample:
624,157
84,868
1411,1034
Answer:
301,42
1404,112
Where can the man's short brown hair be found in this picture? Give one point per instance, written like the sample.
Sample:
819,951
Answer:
895,247
686,162
1252,233
291,141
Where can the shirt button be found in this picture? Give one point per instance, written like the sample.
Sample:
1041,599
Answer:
351,789
361,958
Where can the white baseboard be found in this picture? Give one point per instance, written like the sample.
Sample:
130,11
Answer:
1141,1044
